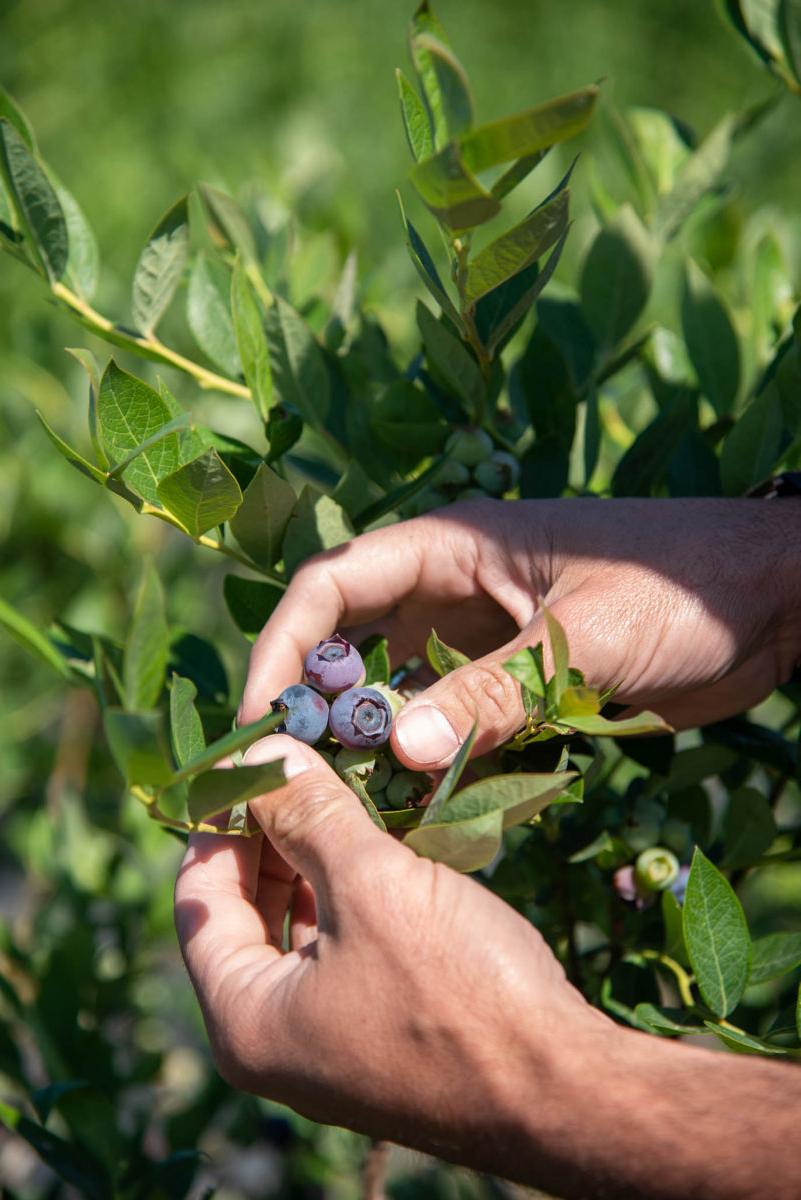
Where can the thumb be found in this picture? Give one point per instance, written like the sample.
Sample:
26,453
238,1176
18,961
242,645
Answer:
315,823
430,729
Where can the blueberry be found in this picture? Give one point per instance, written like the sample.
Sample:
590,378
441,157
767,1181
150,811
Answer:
498,474
453,474
679,885
334,665
305,713
361,717
469,446
624,881
372,769
407,788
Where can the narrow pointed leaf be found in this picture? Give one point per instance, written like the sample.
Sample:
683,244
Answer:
455,101
35,201
716,936
559,651
147,645
201,494
160,267
752,450
237,739
464,846
519,297
32,639
443,658
229,225
450,360
186,728
11,111
415,119
518,247
251,603
209,314
72,456
517,173
790,31
299,374
261,520
528,132
425,24
700,173
598,726
83,261
446,785
617,277
424,265
251,340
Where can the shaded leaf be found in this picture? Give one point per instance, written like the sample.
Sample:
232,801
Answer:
451,191
209,314
748,828
35,202
424,265
451,361
616,277
250,603
699,174
228,224
711,340
773,955
72,1163
32,639
316,523
146,646
139,745
251,340
261,520
186,728
300,378
237,739
642,467
743,1043
216,791
753,448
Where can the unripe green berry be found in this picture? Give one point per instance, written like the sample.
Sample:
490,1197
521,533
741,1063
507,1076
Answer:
472,493
469,446
453,474
498,474
381,775
656,869
425,502
406,788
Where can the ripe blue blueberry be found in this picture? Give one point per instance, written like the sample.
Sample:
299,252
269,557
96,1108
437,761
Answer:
305,713
334,665
361,717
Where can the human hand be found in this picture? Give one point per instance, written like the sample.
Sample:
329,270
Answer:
411,1004
688,605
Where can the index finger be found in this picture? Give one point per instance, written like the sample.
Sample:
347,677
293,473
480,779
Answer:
349,585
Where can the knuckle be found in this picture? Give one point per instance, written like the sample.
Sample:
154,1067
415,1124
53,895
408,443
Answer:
494,690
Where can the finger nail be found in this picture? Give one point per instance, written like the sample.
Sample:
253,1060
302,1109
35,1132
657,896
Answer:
426,735
297,758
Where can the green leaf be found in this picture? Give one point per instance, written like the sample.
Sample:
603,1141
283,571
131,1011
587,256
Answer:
160,267
453,110
138,743
128,413
761,18
32,639
790,31
444,789
424,265
425,24
146,646
237,739
407,421
452,193
749,828
251,340
355,784
201,494
317,523
499,312
35,202
188,739
518,247
517,173
528,132
716,935
642,467
674,928
450,360
354,490
743,1043
711,341
598,726
250,603
260,522
300,378
216,791
415,119
774,955
699,174
209,314
559,651
667,1021
83,262
528,667
753,448
579,702
71,1162
443,659
616,277
11,111
229,225
467,831
375,656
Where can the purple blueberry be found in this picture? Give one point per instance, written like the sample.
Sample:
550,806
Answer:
679,885
361,717
305,713
334,665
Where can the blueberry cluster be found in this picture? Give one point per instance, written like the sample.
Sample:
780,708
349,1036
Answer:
474,469
357,719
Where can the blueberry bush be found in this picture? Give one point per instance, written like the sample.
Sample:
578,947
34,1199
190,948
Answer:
662,360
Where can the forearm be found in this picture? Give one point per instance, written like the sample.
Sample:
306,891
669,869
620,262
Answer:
632,1116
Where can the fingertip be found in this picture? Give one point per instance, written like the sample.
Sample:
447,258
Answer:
423,737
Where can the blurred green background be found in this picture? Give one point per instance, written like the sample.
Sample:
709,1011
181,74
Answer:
132,104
